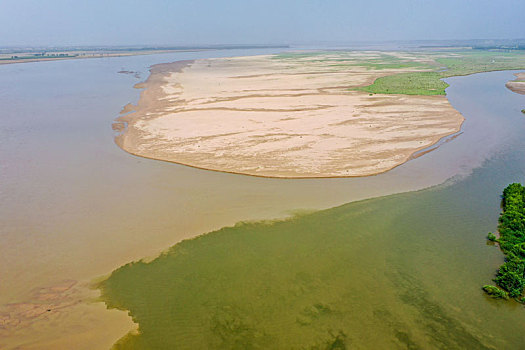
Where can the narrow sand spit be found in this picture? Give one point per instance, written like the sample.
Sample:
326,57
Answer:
518,85
282,117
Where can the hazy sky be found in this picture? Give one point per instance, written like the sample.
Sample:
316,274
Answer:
195,22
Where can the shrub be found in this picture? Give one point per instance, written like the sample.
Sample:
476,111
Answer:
495,292
511,275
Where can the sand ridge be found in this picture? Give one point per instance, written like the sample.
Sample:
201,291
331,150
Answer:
282,117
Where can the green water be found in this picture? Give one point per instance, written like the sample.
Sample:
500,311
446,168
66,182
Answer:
403,271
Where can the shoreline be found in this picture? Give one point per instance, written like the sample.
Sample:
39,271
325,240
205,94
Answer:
154,98
20,56
94,55
418,153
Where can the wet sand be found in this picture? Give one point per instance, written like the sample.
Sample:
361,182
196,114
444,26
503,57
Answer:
267,117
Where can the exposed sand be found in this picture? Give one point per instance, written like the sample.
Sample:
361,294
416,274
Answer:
37,322
286,117
518,85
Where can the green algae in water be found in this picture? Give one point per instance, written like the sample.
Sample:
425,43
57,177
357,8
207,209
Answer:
395,272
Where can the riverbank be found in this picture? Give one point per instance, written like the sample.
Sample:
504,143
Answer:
285,116
76,55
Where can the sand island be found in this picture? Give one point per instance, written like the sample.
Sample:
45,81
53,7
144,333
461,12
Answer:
296,115
517,85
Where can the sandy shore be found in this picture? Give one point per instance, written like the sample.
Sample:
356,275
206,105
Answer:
518,85
288,118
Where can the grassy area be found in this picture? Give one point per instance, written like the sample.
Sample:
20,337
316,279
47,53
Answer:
429,83
392,64
417,83
427,76
298,55
347,60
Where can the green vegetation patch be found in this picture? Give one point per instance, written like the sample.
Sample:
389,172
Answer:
511,275
495,292
417,83
399,65
342,59
429,83
298,55
386,61
427,75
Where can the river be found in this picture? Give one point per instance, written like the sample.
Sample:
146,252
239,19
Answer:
73,206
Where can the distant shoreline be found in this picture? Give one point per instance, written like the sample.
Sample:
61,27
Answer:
94,55
15,56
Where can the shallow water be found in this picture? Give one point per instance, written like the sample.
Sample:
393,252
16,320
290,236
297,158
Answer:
74,206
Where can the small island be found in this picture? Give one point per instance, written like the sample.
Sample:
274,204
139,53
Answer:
510,279
517,85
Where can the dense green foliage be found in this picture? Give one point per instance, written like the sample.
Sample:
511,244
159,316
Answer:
511,275
495,292
430,83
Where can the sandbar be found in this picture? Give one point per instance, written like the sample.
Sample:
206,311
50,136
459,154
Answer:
282,117
518,85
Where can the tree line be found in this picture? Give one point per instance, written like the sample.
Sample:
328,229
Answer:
510,278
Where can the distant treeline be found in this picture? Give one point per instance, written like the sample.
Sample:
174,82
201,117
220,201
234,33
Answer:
105,49
502,48
205,47
510,279
481,47
32,57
